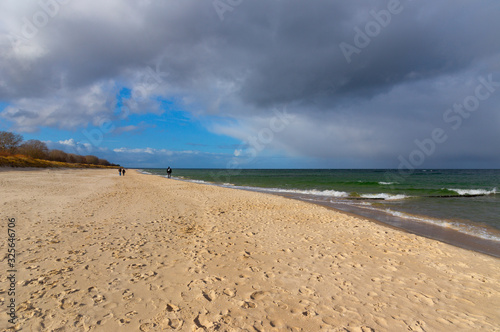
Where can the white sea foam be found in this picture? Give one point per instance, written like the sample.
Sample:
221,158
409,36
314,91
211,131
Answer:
386,183
465,192
198,181
387,197
460,227
315,192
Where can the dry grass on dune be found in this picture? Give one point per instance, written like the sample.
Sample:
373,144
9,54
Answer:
24,161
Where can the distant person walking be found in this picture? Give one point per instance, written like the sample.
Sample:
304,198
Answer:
120,171
123,171
169,172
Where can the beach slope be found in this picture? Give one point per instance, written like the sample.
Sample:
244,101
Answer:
96,251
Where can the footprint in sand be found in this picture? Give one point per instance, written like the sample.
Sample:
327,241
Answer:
316,277
258,295
98,298
195,270
38,294
307,291
127,295
148,327
167,319
229,292
248,305
131,314
205,322
276,323
123,321
136,277
281,305
28,310
173,323
255,269
210,295
172,308
65,304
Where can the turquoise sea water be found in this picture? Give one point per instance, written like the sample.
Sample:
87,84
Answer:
465,201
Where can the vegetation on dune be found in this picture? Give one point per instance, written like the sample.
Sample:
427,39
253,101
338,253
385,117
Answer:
34,153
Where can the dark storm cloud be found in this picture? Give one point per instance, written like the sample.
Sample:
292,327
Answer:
281,50
250,56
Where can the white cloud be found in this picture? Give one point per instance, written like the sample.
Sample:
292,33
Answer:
69,142
144,150
73,146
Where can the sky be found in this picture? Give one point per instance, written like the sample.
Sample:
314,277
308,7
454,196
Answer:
256,84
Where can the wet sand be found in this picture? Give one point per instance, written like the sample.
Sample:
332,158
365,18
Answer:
142,253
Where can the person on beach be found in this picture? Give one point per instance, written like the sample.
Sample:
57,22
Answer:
120,171
123,171
169,172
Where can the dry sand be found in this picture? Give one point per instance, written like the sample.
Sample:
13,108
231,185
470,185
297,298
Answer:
142,253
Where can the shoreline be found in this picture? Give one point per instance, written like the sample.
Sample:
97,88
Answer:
102,252
435,232
438,233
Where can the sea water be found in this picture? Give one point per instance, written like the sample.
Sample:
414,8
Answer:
438,203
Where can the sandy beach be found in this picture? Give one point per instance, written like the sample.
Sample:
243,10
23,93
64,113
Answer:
100,252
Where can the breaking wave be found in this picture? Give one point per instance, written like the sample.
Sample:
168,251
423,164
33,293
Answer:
474,192
315,192
387,197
